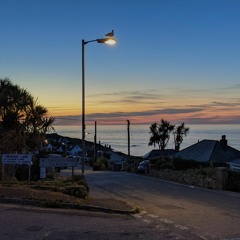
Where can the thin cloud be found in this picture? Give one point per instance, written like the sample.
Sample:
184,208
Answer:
215,119
148,113
231,103
145,113
235,86
207,90
151,94
150,97
226,104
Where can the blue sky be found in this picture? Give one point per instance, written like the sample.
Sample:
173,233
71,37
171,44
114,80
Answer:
174,59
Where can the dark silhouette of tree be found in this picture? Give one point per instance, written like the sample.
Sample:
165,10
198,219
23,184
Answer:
160,134
21,119
13,101
179,133
37,124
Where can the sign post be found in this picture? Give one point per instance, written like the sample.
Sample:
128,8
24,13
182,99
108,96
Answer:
2,170
17,159
56,162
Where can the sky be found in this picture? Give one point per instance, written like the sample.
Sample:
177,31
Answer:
177,60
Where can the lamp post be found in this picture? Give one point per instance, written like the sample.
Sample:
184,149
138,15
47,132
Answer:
108,40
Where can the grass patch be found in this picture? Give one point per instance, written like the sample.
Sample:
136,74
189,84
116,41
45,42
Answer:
51,203
76,187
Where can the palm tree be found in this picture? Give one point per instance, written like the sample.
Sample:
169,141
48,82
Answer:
160,134
37,124
13,101
179,132
155,135
23,122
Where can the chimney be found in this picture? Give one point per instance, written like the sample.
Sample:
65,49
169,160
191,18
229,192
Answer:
224,141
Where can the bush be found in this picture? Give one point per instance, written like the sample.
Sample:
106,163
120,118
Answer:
51,203
79,191
80,180
206,171
182,164
79,188
164,163
133,159
22,173
101,164
233,181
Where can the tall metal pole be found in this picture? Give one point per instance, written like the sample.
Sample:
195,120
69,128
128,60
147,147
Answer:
83,106
95,142
108,40
128,129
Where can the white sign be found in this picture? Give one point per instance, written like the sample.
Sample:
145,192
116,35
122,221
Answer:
19,159
58,162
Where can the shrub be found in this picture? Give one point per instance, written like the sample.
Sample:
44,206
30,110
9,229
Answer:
233,181
79,187
79,191
134,160
51,203
206,171
101,164
22,173
80,180
164,163
182,164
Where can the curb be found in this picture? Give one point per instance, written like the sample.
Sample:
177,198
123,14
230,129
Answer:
66,205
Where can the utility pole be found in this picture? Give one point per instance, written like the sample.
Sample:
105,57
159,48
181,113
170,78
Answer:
128,130
95,142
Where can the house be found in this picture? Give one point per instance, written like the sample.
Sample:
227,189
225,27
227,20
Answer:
74,150
59,149
234,165
210,151
49,147
155,153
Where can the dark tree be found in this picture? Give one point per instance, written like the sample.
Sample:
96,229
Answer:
179,133
160,134
23,123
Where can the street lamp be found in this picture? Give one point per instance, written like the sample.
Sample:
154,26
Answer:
110,40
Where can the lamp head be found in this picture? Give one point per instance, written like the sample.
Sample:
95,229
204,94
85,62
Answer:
109,40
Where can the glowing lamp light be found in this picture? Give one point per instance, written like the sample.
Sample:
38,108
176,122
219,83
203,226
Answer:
109,41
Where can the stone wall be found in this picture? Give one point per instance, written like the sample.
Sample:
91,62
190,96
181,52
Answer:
186,177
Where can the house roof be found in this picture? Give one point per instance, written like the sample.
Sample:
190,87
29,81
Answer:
209,150
234,162
155,153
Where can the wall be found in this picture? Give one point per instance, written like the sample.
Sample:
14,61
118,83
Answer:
186,177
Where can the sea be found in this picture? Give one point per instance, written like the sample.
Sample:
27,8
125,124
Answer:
116,136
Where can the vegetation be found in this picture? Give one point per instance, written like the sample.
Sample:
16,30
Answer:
23,122
179,132
233,181
160,134
164,163
101,164
182,164
76,187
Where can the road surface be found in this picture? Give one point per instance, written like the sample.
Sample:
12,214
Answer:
29,223
209,214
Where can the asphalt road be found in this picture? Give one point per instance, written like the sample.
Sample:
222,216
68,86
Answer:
206,213
168,211
28,223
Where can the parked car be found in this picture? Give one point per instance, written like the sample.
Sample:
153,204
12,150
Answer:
143,166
